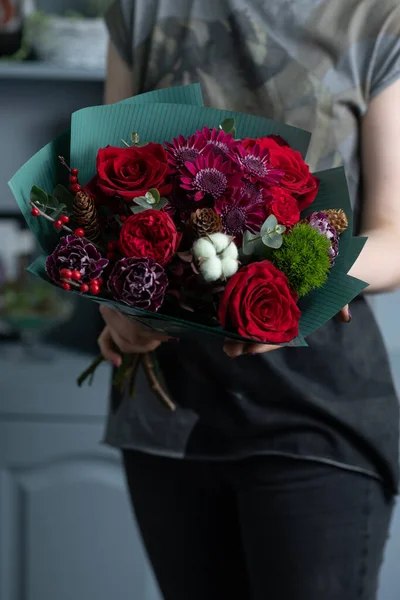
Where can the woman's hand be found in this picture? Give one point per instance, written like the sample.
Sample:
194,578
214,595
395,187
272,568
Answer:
236,349
122,335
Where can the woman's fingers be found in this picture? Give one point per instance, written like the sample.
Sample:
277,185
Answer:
345,314
107,348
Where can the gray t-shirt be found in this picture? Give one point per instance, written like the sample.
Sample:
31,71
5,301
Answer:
315,64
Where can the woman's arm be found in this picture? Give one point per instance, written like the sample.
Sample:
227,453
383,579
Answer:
119,82
379,262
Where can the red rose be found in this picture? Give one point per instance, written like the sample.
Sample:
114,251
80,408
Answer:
131,172
149,234
284,206
297,179
258,304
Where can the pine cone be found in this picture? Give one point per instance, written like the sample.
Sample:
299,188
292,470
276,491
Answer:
86,216
205,221
338,219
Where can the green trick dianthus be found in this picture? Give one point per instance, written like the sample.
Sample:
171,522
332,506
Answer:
304,258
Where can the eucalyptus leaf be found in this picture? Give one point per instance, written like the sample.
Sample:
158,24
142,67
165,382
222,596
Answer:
280,229
229,126
250,243
138,209
153,196
272,240
163,202
142,201
269,225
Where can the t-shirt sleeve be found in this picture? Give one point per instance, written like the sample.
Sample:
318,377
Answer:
119,21
384,68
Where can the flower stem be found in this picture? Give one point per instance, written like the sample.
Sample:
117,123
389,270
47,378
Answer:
90,371
48,217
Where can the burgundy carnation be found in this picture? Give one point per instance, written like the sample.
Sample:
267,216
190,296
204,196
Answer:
138,282
320,221
77,254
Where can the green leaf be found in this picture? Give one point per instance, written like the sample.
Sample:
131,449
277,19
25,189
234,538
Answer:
272,240
64,196
280,229
58,211
250,243
162,202
229,126
269,225
142,201
138,209
38,196
153,196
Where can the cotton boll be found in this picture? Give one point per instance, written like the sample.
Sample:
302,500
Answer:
220,241
211,269
203,248
229,266
231,252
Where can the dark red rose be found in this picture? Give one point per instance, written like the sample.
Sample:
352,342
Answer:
284,206
149,234
297,179
131,172
258,304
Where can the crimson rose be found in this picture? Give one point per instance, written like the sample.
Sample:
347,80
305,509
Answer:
131,172
149,234
284,206
297,179
259,304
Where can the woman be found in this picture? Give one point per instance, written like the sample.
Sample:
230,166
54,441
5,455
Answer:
275,478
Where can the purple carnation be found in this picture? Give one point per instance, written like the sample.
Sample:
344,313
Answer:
138,282
77,254
320,221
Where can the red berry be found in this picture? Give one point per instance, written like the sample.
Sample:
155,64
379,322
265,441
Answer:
94,289
84,288
76,276
66,286
79,232
111,256
73,179
74,172
123,218
112,246
100,280
66,273
35,212
75,188
58,224
64,218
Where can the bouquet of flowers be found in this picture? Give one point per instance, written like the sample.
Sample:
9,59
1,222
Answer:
205,222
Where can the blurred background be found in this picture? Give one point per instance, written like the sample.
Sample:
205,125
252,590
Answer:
66,531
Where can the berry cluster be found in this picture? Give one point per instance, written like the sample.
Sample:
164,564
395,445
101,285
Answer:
72,278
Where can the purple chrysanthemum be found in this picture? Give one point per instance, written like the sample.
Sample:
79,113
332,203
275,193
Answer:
239,215
138,282
256,166
217,141
320,221
210,176
183,150
77,254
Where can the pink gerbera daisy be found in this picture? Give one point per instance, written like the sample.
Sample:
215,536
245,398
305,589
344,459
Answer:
255,193
217,142
183,150
256,166
211,176
239,215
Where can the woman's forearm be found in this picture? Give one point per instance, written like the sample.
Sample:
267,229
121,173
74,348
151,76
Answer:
379,262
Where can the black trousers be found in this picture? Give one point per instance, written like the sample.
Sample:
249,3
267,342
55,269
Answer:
259,529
